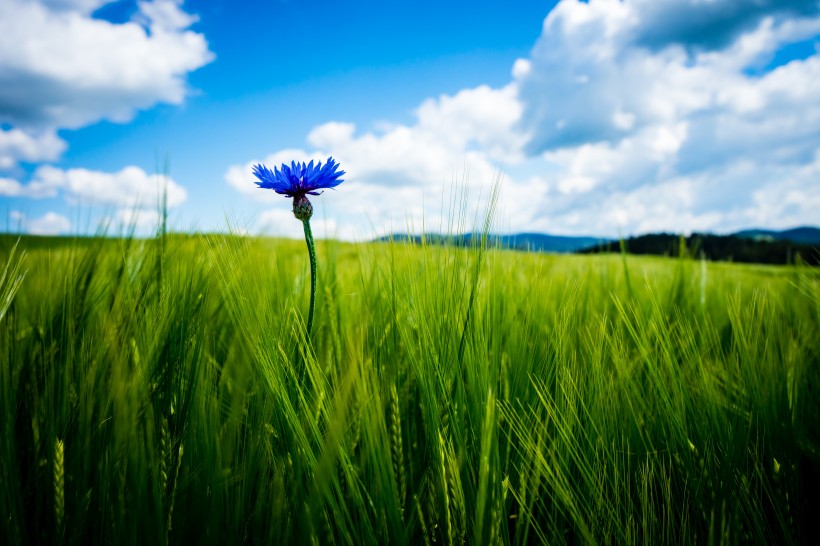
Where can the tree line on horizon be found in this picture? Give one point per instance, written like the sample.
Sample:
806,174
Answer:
729,248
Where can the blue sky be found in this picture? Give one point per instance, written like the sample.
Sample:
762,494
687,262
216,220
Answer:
604,117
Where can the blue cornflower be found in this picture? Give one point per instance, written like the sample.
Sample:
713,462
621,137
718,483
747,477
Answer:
299,179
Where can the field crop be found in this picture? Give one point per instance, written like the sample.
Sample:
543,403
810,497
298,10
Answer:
163,391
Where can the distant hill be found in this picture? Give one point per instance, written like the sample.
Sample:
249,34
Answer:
548,243
534,242
801,235
749,246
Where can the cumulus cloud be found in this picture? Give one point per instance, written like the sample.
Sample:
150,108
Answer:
650,134
17,145
241,177
50,223
65,69
61,68
447,128
589,81
129,188
9,187
165,15
720,199
140,219
133,193
627,116
36,189
359,212
131,196
400,167
281,223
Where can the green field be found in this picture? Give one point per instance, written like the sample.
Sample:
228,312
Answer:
162,391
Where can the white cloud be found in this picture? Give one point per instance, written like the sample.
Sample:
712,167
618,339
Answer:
586,73
653,134
39,188
281,223
424,154
164,15
62,69
50,223
359,211
521,68
393,172
129,188
241,177
17,145
785,198
616,123
141,219
10,187
481,117
134,195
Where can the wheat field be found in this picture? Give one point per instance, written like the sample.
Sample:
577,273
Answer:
163,391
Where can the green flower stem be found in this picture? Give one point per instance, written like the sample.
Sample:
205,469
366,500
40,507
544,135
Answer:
312,253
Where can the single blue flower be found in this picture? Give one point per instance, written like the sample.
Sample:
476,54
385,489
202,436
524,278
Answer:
299,179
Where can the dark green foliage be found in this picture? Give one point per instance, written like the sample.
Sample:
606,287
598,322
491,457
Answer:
733,248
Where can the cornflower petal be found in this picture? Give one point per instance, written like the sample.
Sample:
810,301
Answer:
299,179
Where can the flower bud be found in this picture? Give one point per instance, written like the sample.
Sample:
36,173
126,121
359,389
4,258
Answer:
302,209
